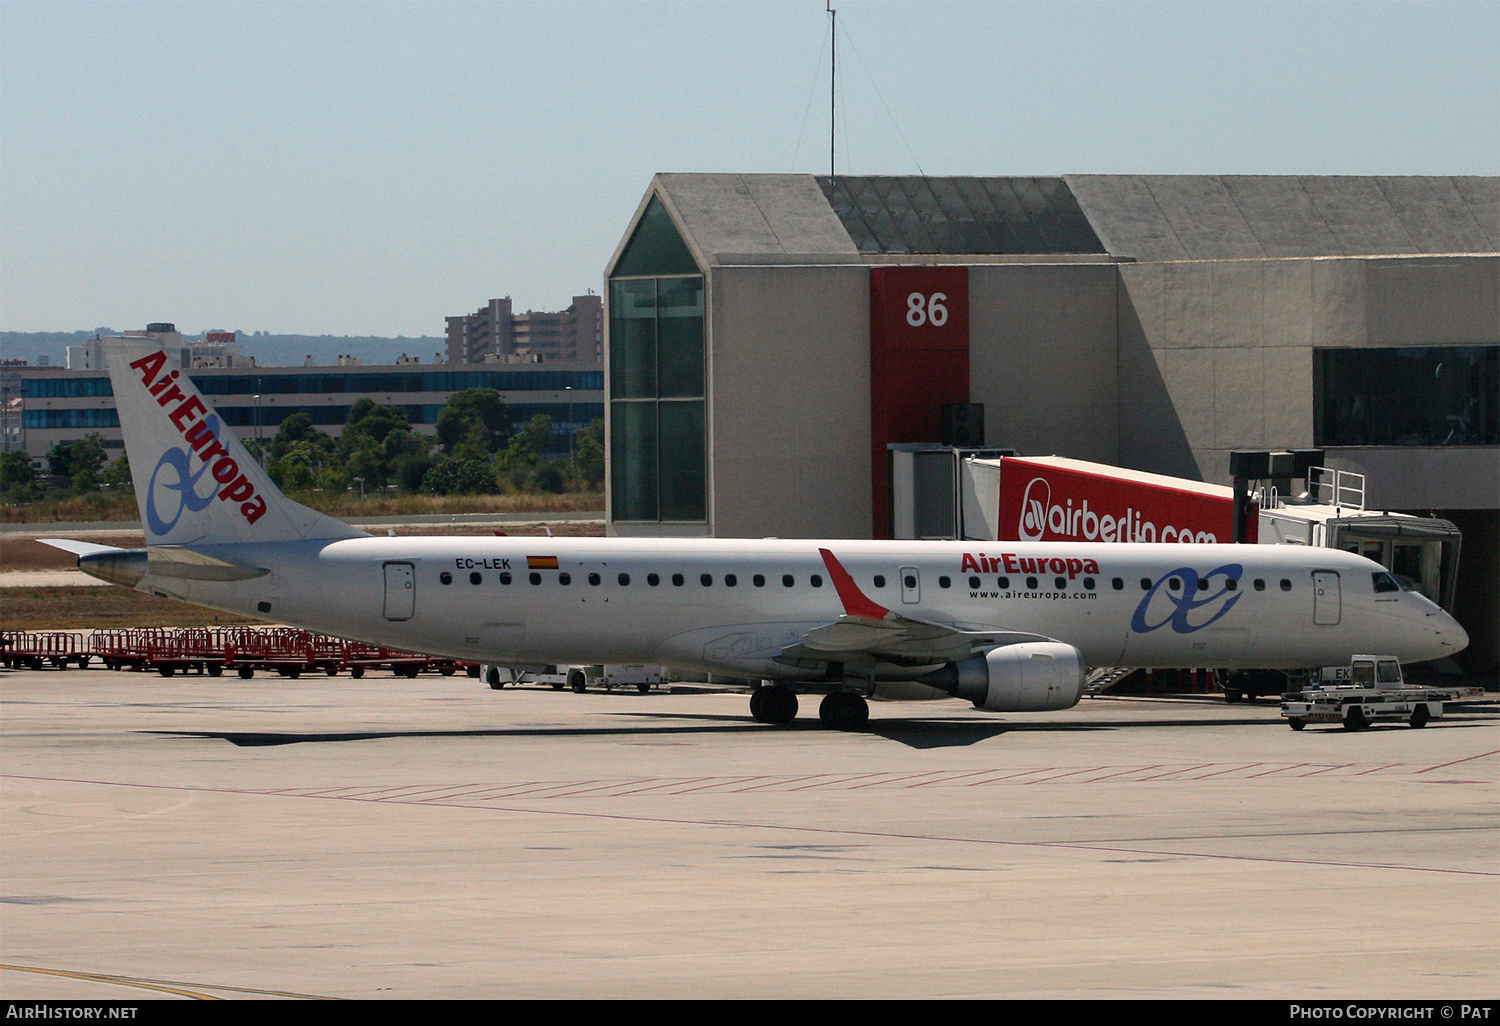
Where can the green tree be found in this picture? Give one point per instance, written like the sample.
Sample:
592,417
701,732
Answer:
81,456
517,465
459,475
117,474
587,465
475,420
298,427
375,442
16,471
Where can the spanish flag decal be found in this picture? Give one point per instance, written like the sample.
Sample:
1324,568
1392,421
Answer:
541,562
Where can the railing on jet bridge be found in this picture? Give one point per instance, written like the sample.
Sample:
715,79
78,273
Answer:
1338,488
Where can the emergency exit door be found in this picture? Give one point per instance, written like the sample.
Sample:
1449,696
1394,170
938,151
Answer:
400,591
911,585
1326,598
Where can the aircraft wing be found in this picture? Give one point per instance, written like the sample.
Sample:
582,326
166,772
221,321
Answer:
868,630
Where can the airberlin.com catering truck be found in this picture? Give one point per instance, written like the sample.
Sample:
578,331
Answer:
1052,498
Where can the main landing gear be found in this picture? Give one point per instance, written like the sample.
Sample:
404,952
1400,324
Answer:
839,710
773,703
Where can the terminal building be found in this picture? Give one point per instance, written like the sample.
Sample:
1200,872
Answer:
771,336
59,405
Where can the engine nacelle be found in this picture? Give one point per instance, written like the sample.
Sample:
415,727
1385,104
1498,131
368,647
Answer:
1036,676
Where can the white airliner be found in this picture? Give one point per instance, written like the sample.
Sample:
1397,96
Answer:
1011,626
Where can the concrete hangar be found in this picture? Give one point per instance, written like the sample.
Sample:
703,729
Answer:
770,335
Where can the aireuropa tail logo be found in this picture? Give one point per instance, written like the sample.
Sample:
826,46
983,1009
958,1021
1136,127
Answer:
178,486
1034,505
1181,597
202,437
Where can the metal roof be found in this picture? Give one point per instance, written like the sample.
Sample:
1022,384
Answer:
747,218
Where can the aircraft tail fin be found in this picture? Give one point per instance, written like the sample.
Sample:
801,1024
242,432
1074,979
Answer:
195,483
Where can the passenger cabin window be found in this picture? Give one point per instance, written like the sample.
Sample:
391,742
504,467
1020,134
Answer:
1060,582
1004,583
787,580
445,577
535,578
505,578
816,580
1260,585
880,580
564,578
945,582
653,579
1031,584
1286,585
706,580
624,580
730,580
1145,584
973,582
759,580
676,580
593,579
1175,584
1118,584
1088,584
476,577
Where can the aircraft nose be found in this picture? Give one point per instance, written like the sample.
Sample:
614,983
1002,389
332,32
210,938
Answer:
1452,633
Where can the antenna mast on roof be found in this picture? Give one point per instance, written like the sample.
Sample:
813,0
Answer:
833,63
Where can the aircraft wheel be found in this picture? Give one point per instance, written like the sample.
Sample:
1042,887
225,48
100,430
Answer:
778,704
1355,719
1419,716
844,710
1296,722
577,681
758,705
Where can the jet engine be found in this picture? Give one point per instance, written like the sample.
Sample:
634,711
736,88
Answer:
1034,676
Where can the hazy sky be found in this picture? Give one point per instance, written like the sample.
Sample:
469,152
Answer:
368,168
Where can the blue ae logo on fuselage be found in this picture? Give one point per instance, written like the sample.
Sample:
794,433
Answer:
182,483
1177,608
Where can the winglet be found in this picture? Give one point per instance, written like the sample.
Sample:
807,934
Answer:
856,603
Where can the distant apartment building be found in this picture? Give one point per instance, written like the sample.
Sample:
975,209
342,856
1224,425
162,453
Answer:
495,333
218,349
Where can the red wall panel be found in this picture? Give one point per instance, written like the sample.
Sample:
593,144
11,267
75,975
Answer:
919,360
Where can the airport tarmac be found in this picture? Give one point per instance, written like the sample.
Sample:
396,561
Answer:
432,838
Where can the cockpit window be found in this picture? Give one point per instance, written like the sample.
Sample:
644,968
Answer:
1384,582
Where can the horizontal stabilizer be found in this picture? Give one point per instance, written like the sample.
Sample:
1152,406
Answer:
78,548
178,561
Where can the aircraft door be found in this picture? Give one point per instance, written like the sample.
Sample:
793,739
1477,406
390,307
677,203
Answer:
400,591
911,585
1326,598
